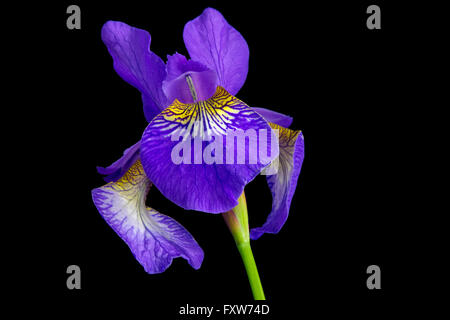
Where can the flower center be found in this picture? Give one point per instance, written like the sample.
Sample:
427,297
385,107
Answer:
191,86
190,83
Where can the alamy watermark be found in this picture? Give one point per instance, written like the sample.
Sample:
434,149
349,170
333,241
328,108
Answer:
234,147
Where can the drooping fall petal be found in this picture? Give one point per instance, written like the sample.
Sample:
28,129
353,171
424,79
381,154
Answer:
283,183
153,238
136,64
210,40
216,164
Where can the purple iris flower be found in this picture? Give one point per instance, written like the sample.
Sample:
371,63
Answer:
194,96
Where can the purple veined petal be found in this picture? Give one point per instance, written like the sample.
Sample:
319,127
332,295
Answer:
153,238
136,64
211,175
211,41
283,183
275,117
118,168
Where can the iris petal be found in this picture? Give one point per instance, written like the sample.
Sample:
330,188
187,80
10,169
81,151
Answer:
136,64
202,184
284,182
154,239
275,117
210,40
118,168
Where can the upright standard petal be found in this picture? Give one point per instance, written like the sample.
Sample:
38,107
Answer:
136,64
210,40
283,183
213,170
154,239
118,168
275,117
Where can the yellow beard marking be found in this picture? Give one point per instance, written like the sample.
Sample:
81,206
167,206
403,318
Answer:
286,142
204,118
133,180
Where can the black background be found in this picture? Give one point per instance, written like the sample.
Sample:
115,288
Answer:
345,87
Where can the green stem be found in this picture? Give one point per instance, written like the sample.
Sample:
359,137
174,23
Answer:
237,222
252,271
